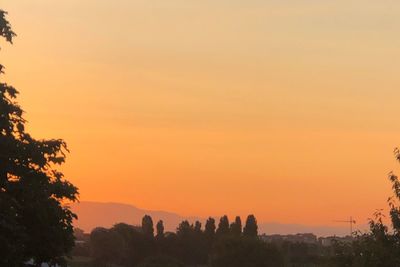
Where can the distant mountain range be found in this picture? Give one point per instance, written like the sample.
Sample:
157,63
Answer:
94,214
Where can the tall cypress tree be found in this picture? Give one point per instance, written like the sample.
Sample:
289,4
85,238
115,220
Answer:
236,226
148,226
160,229
223,226
197,227
251,227
210,227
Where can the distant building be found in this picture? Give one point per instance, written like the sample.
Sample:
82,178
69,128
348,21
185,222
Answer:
307,238
331,240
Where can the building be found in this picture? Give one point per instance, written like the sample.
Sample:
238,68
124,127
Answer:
307,238
331,240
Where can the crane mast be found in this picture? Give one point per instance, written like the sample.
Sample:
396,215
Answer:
351,221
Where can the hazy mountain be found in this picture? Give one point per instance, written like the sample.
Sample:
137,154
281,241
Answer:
93,214
319,230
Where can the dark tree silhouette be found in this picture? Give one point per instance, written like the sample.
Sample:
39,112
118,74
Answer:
160,229
236,226
197,226
209,232
184,228
35,222
128,253
5,27
192,248
223,226
395,199
106,246
147,226
251,228
210,227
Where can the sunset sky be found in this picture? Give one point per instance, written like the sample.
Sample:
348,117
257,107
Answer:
288,109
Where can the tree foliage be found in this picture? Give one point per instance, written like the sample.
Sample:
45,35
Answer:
210,228
5,27
251,228
223,226
236,226
35,223
147,226
197,227
160,229
190,245
380,246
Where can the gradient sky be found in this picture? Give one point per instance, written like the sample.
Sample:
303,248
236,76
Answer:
288,109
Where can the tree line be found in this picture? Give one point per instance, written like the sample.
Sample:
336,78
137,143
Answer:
222,244
230,245
36,224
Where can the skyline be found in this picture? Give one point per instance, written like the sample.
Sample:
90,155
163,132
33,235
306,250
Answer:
91,215
281,109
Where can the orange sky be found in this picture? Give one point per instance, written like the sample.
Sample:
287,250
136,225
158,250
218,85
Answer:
286,109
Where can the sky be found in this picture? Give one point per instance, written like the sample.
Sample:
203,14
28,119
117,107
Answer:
286,109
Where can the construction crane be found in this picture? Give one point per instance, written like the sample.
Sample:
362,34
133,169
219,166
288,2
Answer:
351,221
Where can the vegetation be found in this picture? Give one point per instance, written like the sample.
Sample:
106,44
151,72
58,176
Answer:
244,251
228,245
379,247
34,222
127,245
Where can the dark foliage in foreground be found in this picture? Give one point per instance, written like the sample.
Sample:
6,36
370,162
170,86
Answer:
34,222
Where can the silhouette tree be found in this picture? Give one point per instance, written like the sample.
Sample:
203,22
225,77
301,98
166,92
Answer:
236,226
223,226
251,228
210,227
184,228
35,221
5,27
160,229
209,232
197,227
394,200
192,247
377,248
107,246
147,226
131,247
